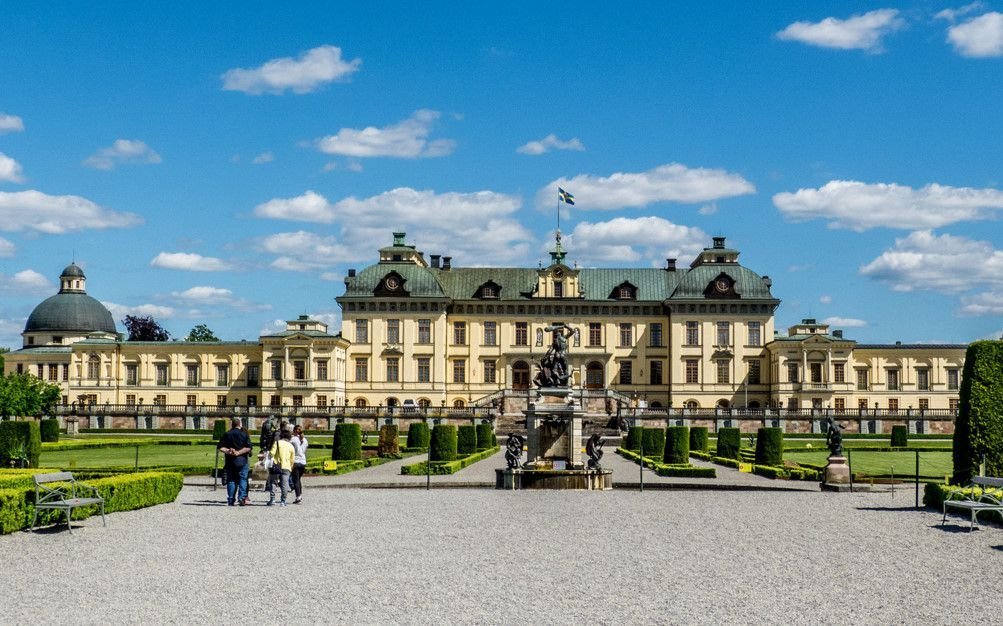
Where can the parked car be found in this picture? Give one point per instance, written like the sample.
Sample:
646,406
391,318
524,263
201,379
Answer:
408,406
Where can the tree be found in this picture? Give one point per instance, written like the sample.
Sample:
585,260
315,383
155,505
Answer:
144,328
201,333
978,431
3,351
24,395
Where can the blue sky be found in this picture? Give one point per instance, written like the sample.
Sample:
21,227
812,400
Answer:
226,166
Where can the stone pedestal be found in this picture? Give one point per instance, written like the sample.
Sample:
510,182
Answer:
72,426
836,472
555,431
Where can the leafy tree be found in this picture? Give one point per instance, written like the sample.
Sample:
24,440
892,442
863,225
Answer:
25,395
144,328
201,333
3,351
978,431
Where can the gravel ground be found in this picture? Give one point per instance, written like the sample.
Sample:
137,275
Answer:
482,556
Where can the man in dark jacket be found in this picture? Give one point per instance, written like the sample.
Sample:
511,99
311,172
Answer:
236,445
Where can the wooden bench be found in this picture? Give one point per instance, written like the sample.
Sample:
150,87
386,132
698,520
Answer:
61,491
973,503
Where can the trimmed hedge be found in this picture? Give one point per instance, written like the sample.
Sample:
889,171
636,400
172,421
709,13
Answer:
418,435
729,442
699,439
485,436
653,440
770,447
389,445
218,429
633,438
49,430
347,444
677,446
786,473
443,444
682,470
447,467
900,436
21,438
720,460
978,431
934,495
466,440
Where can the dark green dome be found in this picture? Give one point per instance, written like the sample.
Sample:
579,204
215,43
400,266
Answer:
72,271
75,313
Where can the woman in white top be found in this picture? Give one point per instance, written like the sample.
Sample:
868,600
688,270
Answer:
300,444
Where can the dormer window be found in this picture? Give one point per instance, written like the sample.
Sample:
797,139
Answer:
488,291
624,291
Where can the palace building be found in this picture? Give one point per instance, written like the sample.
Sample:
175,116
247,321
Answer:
422,332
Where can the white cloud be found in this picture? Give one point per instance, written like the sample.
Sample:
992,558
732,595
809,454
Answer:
205,295
708,209
312,69
672,182
332,276
10,124
332,319
54,215
652,239
986,303
7,248
951,15
122,151
858,32
10,170
405,140
190,262
845,322
550,142
309,207
825,299
860,206
978,37
264,157
119,311
26,282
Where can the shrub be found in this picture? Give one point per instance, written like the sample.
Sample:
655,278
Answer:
699,441
485,436
21,440
347,443
389,445
49,430
685,471
466,440
218,429
633,438
443,444
900,436
654,442
770,446
418,435
978,431
448,467
729,442
677,445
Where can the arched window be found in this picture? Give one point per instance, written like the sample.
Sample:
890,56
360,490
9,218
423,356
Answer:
93,367
360,403
723,404
691,405
458,403
520,375
392,402
655,405
424,403
754,404
594,378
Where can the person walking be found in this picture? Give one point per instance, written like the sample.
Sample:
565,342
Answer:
282,458
300,444
236,448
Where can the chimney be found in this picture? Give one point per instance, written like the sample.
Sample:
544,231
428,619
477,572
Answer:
447,262
351,273
838,334
435,260
670,265
718,242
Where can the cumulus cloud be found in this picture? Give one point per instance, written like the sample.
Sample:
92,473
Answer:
264,157
7,248
54,215
304,74
309,207
845,322
190,262
122,151
672,182
10,124
825,299
26,282
860,206
653,239
858,32
986,303
978,37
10,170
951,15
119,311
331,318
205,295
405,140
550,142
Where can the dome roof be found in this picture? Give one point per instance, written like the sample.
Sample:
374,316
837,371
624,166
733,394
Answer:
70,313
72,270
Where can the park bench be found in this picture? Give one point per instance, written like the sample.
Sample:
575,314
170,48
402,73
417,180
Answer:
61,491
973,503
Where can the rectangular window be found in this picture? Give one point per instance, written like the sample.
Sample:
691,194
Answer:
491,333
923,379
161,374
952,379
655,335
190,399
221,400
132,374
558,289
816,372
160,400
693,333
924,404
952,404
626,372
862,380
723,334
490,371
755,334
595,334
723,371
393,331
361,369
893,405
53,371
460,371
393,369
792,373
692,371
361,331
297,401
522,333
253,375
893,380
94,368
273,402
130,399
66,372
459,333
655,373
424,331
626,335
276,370
755,375
40,371
322,369
299,370
424,369
322,402
839,372
840,405
222,375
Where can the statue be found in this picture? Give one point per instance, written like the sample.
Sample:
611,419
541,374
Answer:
513,450
554,370
594,449
834,437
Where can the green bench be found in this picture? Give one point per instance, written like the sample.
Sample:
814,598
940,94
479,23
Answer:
975,504
60,491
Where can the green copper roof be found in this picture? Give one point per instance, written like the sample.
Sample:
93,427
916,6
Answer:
651,283
70,313
748,284
461,283
419,282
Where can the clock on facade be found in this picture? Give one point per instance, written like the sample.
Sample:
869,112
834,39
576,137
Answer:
558,272
722,285
392,283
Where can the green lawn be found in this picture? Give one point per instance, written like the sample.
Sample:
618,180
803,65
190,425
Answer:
932,465
149,455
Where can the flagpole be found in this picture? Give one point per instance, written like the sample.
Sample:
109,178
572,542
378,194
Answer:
558,210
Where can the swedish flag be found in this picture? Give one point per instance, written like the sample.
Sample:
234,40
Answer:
565,197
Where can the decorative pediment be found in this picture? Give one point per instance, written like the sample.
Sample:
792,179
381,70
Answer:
722,287
624,291
391,286
488,291
719,355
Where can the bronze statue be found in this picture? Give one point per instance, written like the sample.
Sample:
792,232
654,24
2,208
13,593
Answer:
513,450
594,449
834,437
554,371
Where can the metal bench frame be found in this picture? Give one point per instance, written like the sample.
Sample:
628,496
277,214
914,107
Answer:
67,495
973,503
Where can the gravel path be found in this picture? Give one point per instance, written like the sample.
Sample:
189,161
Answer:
483,556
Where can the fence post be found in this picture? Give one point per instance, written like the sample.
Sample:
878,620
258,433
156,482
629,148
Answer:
849,466
640,471
917,479
137,459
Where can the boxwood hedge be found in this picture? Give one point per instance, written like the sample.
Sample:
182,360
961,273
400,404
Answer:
21,440
633,438
729,442
485,436
978,432
347,443
418,435
49,430
443,444
699,440
677,445
389,445
653,440
900,436
770,446
466,440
